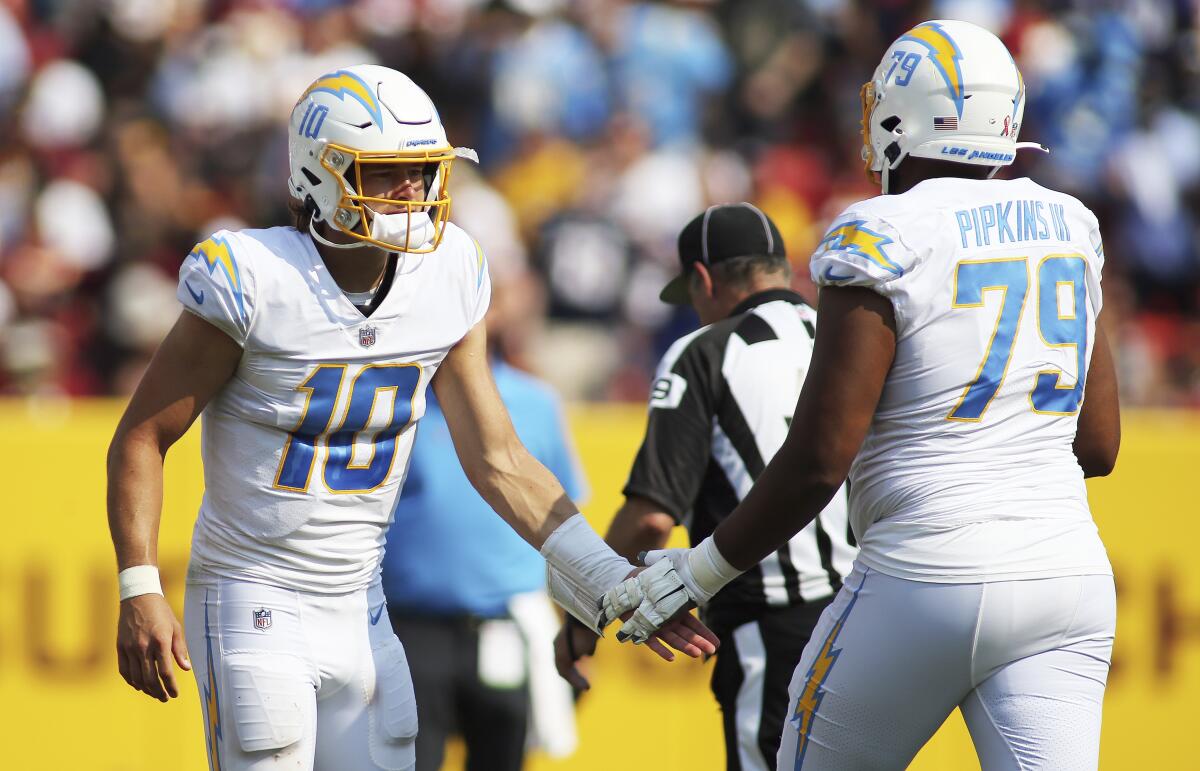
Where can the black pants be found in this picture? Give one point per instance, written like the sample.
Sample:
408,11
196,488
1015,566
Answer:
760,649
443,654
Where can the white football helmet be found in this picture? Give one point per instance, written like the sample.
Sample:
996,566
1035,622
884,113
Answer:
947,90
362,115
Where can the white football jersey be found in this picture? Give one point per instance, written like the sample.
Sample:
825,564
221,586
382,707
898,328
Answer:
306,447
967,471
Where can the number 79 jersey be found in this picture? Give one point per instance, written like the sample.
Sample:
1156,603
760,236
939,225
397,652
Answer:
306,447
967,472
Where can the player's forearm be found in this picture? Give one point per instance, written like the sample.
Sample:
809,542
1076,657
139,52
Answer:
789,494
851,359
1098,431
638,526
135,488
524,493
580,566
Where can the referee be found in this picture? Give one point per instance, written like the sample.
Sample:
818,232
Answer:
719,409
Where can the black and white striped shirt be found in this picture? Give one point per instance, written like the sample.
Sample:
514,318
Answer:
720,408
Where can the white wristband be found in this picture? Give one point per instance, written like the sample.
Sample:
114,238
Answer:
709,568
575,548
138,580
581,567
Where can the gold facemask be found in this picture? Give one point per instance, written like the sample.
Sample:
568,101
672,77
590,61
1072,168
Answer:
337,159
869,98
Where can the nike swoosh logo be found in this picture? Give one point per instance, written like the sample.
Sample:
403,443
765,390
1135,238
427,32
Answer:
831,276
377,613
197,296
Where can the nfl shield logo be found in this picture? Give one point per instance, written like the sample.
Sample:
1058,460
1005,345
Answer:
366,337
262,618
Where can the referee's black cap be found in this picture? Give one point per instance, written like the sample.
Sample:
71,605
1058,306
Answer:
722,232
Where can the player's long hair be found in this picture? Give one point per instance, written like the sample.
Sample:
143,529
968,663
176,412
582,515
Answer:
300,215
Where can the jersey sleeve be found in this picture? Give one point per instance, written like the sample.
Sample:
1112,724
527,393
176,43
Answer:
1095,262
671,463
215,283
861,249
482,282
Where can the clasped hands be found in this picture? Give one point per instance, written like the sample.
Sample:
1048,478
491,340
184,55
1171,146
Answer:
654,604
651,601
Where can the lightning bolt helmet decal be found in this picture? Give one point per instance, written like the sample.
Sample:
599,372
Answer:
343,83
945,54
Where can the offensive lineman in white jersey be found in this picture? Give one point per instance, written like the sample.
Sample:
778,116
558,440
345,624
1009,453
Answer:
956,343
309,352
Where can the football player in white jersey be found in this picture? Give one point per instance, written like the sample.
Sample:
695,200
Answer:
309,352
961,379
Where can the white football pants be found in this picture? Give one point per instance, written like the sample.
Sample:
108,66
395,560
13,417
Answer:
890,659
299,681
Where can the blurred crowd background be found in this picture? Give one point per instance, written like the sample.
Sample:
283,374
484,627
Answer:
130,129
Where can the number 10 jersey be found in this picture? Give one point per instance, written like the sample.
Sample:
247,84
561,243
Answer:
967,472
306,447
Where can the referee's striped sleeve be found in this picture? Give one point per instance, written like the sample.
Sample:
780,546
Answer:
674,455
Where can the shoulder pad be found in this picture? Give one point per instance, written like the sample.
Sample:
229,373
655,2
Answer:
215,284
860,249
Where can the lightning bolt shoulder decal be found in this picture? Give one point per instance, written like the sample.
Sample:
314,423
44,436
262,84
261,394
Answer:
855,238
480,269
215,253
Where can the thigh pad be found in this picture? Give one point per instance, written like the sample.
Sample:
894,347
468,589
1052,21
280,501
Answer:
395,704
269,696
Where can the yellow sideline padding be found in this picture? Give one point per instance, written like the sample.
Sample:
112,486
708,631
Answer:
65,707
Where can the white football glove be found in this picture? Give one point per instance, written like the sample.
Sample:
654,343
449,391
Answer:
619,600
676,579
661,595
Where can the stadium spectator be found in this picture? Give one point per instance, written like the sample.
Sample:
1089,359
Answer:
620,116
